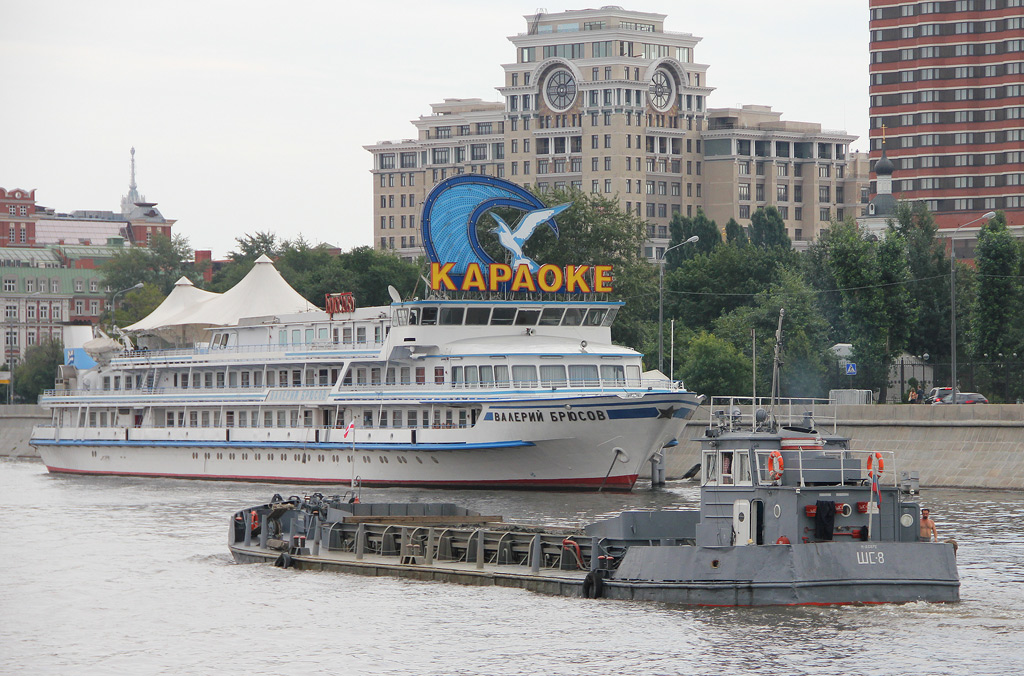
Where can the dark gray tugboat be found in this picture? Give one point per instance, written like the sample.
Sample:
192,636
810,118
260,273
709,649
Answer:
788,516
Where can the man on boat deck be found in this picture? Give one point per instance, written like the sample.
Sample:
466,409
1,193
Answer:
928,532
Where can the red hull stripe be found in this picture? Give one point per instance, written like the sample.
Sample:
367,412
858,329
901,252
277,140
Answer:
622,482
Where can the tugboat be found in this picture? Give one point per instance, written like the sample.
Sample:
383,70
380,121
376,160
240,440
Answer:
788,516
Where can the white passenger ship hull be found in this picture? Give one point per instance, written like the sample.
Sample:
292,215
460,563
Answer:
569,443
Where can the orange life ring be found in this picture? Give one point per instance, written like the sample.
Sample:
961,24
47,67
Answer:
255,520
774,473
881,464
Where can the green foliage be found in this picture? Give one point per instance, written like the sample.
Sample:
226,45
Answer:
929,270
735,233
994,329
38,370
251,247
161,264
134,305
767,229
714,367
682,228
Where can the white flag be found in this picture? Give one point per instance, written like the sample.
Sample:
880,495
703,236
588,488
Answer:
348,429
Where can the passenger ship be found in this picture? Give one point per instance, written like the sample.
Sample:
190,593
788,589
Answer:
261,385
432,392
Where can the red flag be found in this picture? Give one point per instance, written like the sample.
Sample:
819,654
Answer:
351,426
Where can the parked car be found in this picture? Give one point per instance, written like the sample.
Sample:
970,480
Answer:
936,394
964,398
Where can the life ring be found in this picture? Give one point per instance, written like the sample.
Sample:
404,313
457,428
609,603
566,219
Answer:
255,520
593,585
881,464
774,473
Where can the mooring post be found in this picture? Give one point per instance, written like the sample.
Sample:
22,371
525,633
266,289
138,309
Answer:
535,555
480,549
429,553
263,532
248,528
316,535
360,537
593,553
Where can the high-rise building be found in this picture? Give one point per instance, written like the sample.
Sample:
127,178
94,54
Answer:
946,101
605,101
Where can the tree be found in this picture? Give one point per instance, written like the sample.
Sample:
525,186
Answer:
767,229
161,264
135,305
735,233
682,229
872,279
714,367
251,247
929,271
38,370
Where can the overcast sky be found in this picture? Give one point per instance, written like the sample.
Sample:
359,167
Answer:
251,116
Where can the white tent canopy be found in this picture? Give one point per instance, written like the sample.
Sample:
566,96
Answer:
262,292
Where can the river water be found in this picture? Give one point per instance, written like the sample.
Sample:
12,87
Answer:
132,576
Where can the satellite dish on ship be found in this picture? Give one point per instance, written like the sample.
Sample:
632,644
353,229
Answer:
395,296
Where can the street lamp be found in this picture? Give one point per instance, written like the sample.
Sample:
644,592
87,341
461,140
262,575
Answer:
952,301
661,301
113,306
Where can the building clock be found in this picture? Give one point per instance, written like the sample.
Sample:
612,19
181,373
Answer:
560,89
662,91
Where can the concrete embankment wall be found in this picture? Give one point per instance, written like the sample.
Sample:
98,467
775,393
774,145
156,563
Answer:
980,446
16,424
959,446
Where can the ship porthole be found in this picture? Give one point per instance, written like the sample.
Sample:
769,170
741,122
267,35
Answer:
714,564
777,511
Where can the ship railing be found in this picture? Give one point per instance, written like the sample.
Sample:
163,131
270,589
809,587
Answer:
735,414
263,348
817,466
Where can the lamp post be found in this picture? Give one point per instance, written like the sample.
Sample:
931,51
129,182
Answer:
113,306
952,302
661,300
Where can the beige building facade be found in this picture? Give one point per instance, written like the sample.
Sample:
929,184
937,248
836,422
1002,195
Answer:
605,101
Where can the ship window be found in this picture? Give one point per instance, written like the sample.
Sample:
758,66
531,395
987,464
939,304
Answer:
462,418
106,381
170,419
448,421
296,336
282,379
486,375
346,335
296,378
439,375
456,375
375,376
323,377
233,379
384,418
583,375
428,315
309,336
307,418
184,381
257,378
437,420
633,376
229,419
282,337
421,375
293,418
206,418
472,377
452,316
426,419
361,335
323,333
527,317
245,379
503,316
610,316
410,417
367,418
220,379
92,418
224,340
216,418
501,376
595,317
573,316
552,376
310,377
208,380
103,418
117,382
613,375
196,381
406,375
727,467
551,316
243,419
477,316
378,334
128,383
709,472
193,419
268,419
524,376
282,418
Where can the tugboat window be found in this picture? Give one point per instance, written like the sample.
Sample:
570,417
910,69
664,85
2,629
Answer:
527,317
551,316
594,317
429,316
452,316
573,316
503,316
478,316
